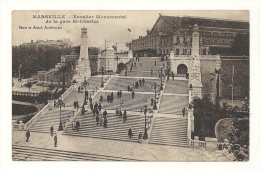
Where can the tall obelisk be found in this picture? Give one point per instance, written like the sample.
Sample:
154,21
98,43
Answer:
84,51
195,72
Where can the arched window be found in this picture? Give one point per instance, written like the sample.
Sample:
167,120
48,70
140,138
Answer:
215,40
223,41
207,40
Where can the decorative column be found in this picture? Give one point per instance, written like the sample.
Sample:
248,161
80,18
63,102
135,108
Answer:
172,60
195,72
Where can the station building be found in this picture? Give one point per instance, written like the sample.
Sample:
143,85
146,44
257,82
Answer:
175,33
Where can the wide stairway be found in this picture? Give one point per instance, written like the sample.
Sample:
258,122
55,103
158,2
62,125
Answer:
52,117
116,129
169,131
144,70
23,153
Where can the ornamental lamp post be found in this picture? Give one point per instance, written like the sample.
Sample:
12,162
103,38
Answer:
85,83
102,70
145,109
60,103
161,88
155,87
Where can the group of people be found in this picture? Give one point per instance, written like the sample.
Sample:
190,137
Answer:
102,120
121,114
130,134
136,84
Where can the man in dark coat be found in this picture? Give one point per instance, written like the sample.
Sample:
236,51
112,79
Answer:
78,89
105,122
86,94
133,94
91,106
151,101
130,134
96,106
120,113
183,111
140,137
55,140
90,99
120,94
51,129
124,116
105,113
27,135
97,119
94,112
143,81
99,107
101,98
77,125
128,88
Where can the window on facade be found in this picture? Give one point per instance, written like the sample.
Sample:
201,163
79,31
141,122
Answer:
207,40
223,41
177,40
215,41
177,51
230,41
223,34
230,35
214,34
208,33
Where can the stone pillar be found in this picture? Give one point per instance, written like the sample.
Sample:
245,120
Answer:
196,142
172,60
195,41
130,54
110,56
190,95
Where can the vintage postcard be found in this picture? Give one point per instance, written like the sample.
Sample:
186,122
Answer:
115,85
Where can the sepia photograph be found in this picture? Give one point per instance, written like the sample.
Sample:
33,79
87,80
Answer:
124,85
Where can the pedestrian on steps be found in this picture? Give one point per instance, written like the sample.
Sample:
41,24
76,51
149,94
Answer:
97,119
99,107
133,94
28,134
130,133
183,111
124,116
140,137
100,120
105,122
55,140
51,129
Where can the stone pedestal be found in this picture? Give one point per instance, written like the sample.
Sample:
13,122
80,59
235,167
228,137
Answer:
211,143
196,142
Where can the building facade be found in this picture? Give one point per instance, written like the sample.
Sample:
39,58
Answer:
61,43
175,33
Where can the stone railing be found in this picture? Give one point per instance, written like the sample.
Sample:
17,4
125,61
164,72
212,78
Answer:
23,93
182,56
36,117
209,56
66,93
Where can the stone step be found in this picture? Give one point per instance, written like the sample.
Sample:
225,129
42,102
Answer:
55,155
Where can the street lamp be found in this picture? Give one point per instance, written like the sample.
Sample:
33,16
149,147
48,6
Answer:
155,88
85,83
145,109
60,103
161,88
102,70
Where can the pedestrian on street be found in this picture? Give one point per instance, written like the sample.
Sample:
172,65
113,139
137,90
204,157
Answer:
133,94
78,89
128,88
90,99
112,95
140,137
99,107
51,129
94,112
28,134
97,119
105,122
55,140
111,99
151,71
124,116
183,111
118,94
101,98
130,133
96,106
151,101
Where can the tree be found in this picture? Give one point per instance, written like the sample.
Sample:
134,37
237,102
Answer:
29,85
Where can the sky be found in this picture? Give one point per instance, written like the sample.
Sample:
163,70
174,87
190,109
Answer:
112,30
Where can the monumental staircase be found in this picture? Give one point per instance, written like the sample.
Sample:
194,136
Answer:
24,153
169,131
116,128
